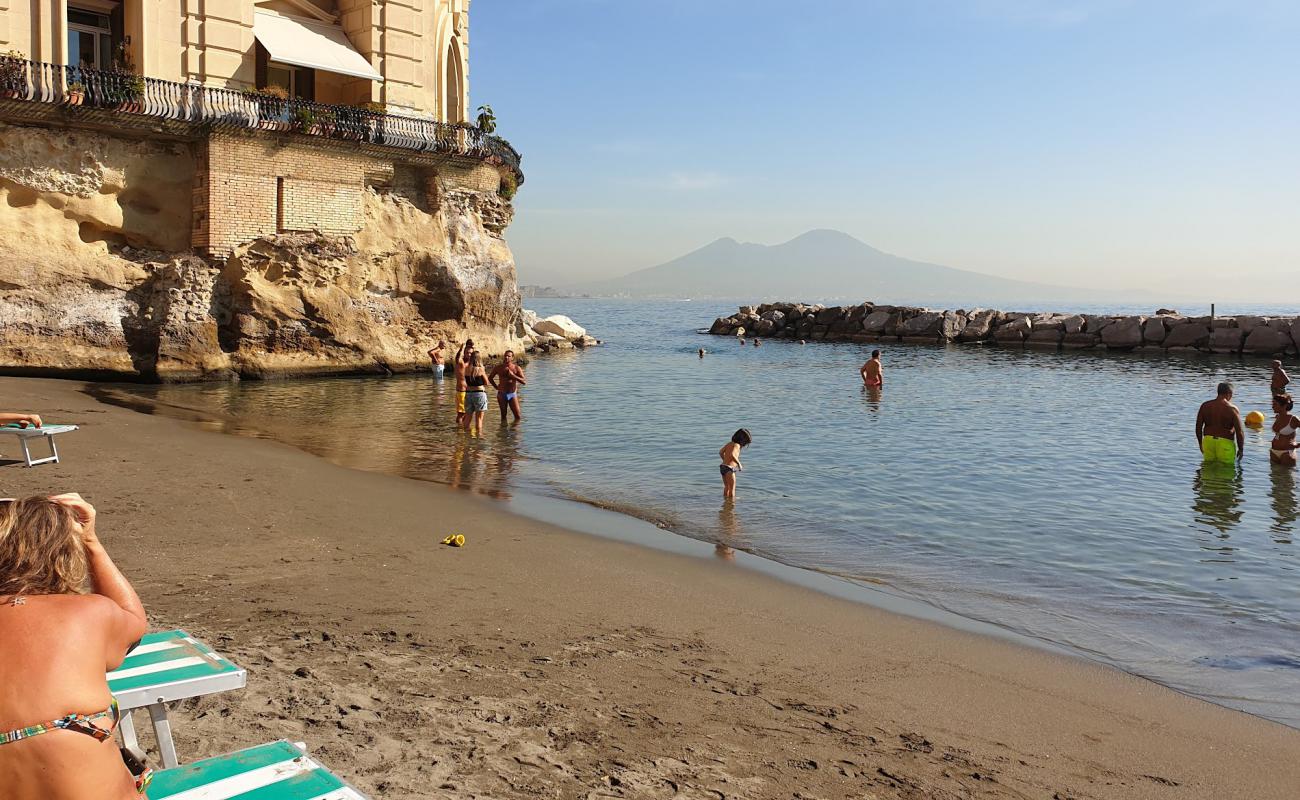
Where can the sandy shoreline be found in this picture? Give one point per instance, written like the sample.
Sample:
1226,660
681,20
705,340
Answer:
539,662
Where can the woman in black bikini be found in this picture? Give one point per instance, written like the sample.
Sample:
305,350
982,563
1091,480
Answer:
1285,427
476,380
56,643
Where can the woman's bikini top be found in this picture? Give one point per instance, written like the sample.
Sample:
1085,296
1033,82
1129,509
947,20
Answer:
1289,429
81,723
476,381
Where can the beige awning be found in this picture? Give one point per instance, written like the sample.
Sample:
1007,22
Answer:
307,43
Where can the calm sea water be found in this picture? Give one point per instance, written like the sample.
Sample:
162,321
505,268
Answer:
1059,496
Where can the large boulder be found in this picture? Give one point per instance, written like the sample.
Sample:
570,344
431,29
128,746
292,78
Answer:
1265,341
1187,335
828,315
1226,340
1096,323
1045,337
560,325
1153,332
924,325
765,327
1080,341
1017,330
1074,324
875,321
954,322
978,325
1124,333
719,327
774,316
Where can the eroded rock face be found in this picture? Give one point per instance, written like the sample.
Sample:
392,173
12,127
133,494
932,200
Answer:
96,276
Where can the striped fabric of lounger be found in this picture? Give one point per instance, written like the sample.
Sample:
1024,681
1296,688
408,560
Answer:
277,771
168,666
165,667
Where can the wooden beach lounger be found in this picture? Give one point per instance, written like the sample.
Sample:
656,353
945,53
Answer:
277,771
48,432
166,667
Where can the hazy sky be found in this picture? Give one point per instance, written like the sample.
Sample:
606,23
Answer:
1082,142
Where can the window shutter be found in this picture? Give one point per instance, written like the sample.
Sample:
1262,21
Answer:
116,26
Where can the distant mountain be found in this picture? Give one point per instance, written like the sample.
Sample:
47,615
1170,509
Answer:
824,264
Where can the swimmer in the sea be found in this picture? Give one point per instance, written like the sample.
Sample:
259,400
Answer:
873,373
730,455
702,351
1280,378
757,343
742,341
1283,449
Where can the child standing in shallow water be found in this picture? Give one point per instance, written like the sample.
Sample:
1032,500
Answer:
730,455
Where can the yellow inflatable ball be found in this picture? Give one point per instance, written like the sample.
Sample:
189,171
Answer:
1255,419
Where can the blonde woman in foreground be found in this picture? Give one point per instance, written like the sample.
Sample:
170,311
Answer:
56,642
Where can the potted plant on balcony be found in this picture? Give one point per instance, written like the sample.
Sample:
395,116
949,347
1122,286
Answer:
130,92
273,98
76,93
13,75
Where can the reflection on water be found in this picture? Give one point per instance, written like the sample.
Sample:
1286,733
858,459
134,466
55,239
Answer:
1218,496
1061,495
1284,503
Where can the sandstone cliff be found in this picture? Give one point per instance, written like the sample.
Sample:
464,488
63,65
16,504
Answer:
96,278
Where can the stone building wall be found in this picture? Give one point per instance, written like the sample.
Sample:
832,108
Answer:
266,185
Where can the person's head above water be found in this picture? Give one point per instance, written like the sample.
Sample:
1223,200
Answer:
1283,402
741,437
509,357
875,354
41,549
1225,390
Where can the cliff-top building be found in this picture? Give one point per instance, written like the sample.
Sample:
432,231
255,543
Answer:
410,55
175,128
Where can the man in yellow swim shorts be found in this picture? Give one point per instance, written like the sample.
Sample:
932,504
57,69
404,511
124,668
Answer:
1219,431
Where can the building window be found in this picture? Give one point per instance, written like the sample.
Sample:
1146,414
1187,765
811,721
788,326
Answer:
90,39
299,82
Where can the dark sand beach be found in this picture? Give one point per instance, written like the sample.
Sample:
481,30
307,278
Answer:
539,662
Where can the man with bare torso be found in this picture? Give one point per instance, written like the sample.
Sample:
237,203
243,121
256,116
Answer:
459,366
506,378
435,355
873,374
1219,431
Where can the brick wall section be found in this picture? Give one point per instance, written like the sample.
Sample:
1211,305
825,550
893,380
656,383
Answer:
253,185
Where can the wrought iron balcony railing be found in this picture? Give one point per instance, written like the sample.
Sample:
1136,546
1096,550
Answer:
126,93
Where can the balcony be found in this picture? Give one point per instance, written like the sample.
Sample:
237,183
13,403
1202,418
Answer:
123,99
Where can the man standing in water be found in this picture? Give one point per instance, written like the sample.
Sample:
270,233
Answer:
506,378
1280,379
462,361
435,355
1219,431
873,374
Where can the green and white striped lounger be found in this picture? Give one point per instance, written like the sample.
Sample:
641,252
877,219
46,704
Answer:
165,667
48,432
277,771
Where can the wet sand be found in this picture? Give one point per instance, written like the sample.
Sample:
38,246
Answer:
539,662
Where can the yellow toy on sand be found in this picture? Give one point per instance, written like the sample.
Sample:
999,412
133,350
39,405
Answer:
455,540
1255,419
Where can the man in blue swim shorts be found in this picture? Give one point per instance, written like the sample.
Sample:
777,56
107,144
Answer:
506,378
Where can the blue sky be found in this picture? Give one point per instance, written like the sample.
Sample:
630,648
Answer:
1084,142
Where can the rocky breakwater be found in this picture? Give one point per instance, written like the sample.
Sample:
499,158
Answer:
1164,330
